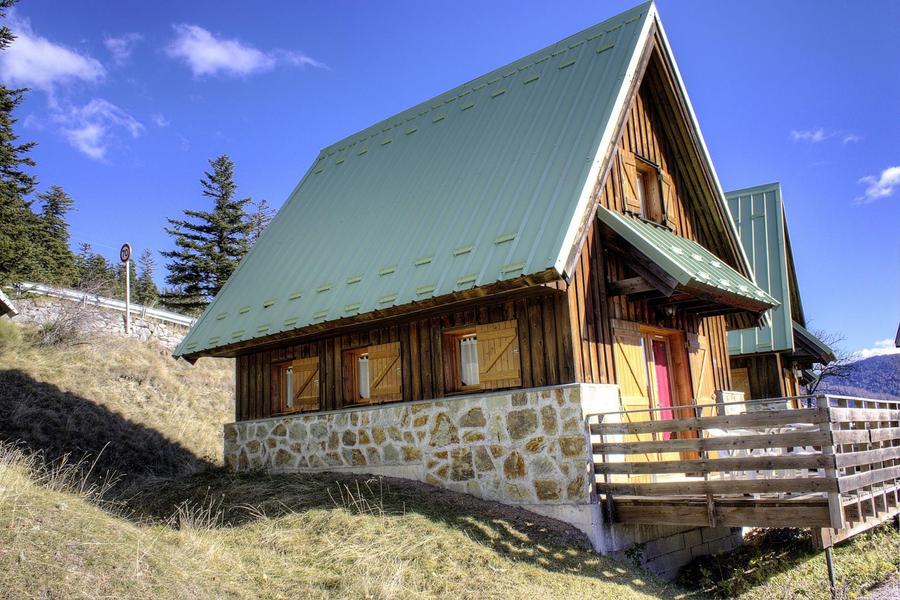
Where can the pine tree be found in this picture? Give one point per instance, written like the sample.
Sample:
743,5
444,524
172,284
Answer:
145,289
209,244
259,218
19,254
58,262
95,275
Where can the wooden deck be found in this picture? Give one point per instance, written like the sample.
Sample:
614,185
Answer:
828,463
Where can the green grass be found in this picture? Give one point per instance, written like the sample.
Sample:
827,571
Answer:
782,563
168,522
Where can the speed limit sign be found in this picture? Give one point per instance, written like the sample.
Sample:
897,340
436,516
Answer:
125,253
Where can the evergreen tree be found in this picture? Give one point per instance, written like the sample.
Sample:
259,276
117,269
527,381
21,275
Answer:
58,262
146,291
259,218
209,244
94,272
19,226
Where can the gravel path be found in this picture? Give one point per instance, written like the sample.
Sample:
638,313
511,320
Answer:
889,590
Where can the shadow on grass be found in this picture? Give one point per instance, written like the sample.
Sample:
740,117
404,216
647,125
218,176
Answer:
512,532
43,418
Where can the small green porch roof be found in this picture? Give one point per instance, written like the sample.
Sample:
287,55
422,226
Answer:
693,267
809,345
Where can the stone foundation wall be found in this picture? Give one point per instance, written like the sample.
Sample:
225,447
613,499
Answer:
97,321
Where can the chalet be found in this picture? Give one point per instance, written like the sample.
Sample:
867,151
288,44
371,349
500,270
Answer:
521,290
768,361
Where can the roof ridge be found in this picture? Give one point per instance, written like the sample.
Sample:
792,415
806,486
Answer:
475,84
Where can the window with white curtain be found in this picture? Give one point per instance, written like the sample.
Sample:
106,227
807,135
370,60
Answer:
362,370
289,387
468,359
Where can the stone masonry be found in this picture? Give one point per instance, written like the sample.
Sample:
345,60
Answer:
523,447
98,321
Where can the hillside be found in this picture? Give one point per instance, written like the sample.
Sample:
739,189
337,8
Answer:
875,377
175,526
172,524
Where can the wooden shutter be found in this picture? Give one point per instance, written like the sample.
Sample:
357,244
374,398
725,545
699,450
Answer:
629,186
631,376
384,372
498,355
703,385
306,383
669,207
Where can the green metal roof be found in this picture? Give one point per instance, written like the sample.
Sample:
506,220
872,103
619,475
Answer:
690,264
811,344
758,213
483,183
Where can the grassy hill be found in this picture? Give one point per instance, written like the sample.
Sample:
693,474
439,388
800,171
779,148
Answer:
172,524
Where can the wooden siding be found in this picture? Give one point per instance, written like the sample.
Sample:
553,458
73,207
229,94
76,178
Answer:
768,375
544,338
590,308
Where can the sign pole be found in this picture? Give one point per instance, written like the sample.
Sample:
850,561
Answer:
125,257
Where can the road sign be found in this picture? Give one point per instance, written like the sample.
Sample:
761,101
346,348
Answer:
125,253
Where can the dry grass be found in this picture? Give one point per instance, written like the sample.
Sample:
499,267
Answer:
144,413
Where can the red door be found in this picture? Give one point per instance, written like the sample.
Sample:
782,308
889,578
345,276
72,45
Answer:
663,386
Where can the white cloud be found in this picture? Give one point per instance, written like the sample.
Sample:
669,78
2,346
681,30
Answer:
881,186
879,348
160,120
122,46
207,54
814,136
820,134
94,127
35,61
298,59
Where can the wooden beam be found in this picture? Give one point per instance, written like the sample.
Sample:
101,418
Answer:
628,287
752,486
731,442
716,465
768,418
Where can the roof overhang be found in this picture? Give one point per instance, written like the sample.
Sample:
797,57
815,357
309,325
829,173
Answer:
6,306
683,272
808,346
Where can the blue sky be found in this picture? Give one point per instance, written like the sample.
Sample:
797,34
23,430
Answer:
131,100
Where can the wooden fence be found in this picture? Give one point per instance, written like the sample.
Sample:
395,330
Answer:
825,462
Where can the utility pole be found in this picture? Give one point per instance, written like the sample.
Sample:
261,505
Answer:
125,257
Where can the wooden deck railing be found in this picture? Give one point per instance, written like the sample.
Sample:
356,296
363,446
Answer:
813,461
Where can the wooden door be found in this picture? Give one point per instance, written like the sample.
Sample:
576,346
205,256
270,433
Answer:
631,375
703,385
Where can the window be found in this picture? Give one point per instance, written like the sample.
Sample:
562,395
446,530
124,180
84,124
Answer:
648,192
297,386
362,370
483,357
372,374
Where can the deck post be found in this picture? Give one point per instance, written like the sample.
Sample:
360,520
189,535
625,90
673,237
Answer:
835,506
829,560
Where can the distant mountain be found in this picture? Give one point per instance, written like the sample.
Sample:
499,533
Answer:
876,377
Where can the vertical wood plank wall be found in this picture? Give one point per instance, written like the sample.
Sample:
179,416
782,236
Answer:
589,306
545,351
